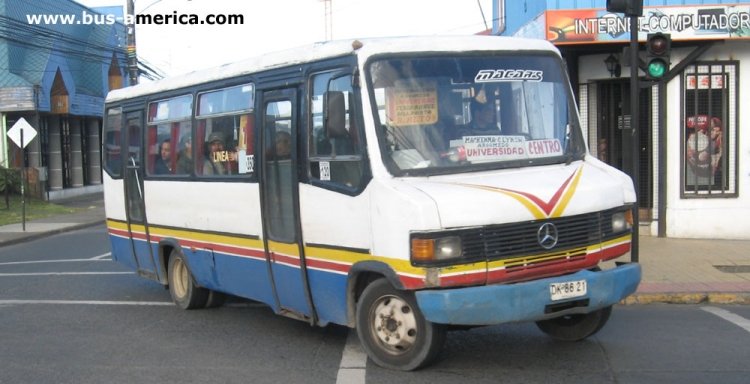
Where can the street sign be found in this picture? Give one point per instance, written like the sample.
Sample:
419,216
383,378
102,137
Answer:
22,133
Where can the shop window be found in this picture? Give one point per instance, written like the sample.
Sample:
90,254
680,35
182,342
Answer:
709,134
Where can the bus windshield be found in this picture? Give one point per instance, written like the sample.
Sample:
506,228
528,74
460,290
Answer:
449,114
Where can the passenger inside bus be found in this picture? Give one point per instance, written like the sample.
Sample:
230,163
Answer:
163,165
482,119
283,145
185,158
217,162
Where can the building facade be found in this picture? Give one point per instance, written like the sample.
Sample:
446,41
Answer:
693,141
55,73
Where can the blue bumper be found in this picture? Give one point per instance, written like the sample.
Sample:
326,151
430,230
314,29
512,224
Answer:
527,301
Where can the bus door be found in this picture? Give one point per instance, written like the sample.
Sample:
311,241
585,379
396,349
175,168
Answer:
280,200
134,204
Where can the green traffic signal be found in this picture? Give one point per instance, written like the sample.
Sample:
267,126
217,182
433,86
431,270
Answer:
658,49
657,69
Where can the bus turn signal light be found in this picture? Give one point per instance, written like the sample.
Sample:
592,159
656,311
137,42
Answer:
422,250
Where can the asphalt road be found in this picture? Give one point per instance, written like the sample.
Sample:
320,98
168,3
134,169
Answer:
68,314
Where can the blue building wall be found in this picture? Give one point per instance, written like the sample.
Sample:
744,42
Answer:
32,54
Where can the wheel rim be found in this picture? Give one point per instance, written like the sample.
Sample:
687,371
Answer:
180,275
393,324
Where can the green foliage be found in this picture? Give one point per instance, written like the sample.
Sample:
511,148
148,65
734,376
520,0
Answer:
35,209
10,180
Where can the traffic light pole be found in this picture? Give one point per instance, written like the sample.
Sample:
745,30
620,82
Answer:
634,120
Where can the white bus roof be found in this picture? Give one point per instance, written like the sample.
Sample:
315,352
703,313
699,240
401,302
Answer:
332,49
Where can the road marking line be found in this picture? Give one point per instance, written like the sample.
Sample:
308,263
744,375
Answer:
85,302
353,364
730,317
102,256
53,261
63,274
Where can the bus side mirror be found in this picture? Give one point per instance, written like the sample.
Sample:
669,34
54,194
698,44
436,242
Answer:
334,115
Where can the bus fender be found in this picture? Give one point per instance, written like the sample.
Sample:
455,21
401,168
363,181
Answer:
166,246
356,284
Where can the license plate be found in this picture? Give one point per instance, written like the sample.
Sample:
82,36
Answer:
567,290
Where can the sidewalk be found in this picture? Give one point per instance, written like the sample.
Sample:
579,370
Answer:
674,270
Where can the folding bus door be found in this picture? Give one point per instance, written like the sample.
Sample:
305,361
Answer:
134,203
280,201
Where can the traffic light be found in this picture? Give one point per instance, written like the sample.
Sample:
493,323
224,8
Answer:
628,7
658,47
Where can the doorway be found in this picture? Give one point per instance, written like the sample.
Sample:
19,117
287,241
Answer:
615,137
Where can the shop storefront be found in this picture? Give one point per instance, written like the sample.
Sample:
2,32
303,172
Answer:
692,135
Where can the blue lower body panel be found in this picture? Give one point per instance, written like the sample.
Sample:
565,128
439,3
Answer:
527,301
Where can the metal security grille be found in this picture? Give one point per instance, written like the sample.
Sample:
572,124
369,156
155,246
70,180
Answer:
497,242
709,132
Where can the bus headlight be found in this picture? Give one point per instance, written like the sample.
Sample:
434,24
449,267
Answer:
622,221
435,250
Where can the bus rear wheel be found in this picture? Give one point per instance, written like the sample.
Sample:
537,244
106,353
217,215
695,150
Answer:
393,331
185,293
575,327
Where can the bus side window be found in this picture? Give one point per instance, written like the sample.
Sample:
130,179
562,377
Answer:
335,152
224,139
112,142
164,147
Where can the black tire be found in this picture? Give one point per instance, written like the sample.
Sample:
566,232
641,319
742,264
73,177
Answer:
392,329
575,327
185,293
215,299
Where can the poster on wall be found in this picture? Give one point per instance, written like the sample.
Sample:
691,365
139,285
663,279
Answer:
683,23
703,149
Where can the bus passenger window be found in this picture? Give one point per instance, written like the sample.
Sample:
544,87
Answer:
164,148
169,121
335,154
226,132
112,142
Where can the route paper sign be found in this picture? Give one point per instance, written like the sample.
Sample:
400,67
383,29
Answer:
502,148
494,148
413,104
29,133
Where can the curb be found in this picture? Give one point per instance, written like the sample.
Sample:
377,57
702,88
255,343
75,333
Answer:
39,235
688,298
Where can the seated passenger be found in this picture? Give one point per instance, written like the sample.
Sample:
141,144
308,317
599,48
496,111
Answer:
163,165
185,158
216,164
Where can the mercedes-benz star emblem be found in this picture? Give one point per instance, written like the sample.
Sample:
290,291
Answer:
547,235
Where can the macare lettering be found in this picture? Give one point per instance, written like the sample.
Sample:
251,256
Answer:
499,75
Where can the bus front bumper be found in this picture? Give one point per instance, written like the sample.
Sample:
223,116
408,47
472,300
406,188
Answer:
527,301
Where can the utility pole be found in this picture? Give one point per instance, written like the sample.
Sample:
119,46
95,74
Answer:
132,58
328,18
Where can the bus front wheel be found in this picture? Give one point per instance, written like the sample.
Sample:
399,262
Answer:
392,329
185,293
575,327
